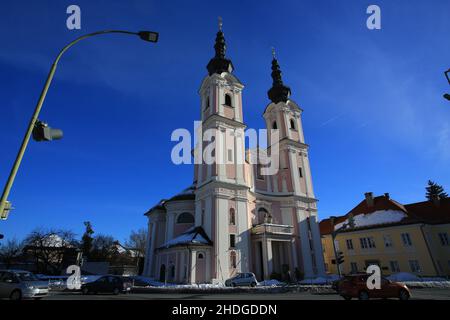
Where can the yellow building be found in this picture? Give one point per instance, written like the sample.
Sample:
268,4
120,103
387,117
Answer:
413,238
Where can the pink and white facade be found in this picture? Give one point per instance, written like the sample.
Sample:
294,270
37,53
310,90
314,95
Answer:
234,219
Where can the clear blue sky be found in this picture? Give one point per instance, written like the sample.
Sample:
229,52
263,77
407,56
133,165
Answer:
374,115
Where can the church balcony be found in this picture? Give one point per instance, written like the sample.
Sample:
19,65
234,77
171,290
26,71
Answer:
268,229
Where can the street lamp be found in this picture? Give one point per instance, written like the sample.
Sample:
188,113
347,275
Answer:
5,205
446,95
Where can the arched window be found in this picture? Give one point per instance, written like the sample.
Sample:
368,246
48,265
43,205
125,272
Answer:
185,217
228,100
207,103
274,125
292,124
232,217
233,260
200,256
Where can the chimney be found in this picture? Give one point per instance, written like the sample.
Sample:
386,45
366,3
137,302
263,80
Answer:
386,195
369,199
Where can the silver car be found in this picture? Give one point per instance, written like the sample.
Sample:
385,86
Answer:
242,279
19,284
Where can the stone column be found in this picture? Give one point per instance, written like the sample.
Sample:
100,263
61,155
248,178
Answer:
305,245
317,243
267,258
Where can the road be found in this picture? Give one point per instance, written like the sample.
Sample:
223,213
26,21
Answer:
417,294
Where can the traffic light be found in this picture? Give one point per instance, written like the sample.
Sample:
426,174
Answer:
340,257
42,132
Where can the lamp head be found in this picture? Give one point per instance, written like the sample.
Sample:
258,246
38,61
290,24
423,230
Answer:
149,36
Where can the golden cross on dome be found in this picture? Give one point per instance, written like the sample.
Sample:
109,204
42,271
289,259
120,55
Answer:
273,52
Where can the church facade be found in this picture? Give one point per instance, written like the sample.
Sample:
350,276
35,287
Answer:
233,218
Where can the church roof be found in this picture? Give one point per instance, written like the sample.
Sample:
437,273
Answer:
193,236
219,63
186,194
279,92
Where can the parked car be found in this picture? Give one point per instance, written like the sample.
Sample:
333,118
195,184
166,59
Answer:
19,284
134,281
242,279
106,284
355,286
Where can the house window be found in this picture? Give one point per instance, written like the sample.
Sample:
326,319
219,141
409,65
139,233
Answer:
394,266
200,256
274,125
230,155
414,266
300,172
185,217
367,243
232,240
232,217
207,103
233,260
349,244
443,237
292,124
406,240
228,100
387,241
354,267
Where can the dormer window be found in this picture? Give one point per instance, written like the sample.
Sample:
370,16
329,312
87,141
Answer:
228,100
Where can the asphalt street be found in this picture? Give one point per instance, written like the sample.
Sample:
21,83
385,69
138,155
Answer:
417,294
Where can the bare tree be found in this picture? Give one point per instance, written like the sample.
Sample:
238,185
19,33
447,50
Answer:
137,242
11,252
50,248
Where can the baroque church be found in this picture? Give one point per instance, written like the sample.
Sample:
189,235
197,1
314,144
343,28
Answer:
233,218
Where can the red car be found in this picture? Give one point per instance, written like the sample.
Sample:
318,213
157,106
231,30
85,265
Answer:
355,286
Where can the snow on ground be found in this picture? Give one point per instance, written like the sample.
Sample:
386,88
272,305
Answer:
374,218
270,283
321,280
403,276
413,281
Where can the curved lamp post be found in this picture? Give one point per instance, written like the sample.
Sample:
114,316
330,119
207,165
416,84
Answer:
5,206
446,95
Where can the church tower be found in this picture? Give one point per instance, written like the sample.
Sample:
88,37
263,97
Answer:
294,176
221,200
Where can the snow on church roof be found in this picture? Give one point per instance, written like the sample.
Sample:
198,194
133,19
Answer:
193,236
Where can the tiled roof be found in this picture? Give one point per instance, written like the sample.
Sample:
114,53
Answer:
421,212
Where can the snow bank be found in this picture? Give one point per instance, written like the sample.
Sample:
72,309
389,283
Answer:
403,276
270,283
321,280
374,218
